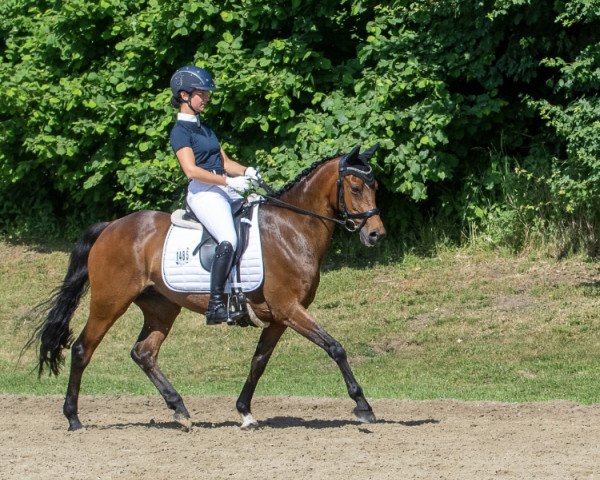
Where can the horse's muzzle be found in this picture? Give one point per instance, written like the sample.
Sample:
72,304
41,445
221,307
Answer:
370,236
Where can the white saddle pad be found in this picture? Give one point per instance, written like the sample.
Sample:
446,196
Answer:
181,268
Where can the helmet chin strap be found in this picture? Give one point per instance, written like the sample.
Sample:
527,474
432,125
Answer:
196,112
189,104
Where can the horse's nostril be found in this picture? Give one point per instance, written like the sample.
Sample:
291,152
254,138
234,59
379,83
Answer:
375,235
373,238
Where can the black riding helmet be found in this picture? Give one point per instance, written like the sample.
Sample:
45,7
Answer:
188,79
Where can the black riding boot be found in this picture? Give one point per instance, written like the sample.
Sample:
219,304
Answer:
217,311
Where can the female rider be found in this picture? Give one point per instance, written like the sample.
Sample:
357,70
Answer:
214,179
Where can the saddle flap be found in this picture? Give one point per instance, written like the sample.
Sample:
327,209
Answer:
207,249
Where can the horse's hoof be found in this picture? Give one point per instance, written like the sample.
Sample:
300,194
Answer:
365,416
248,422
73,427
185,422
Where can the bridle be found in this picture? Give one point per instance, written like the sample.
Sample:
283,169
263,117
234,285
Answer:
367,177
347,218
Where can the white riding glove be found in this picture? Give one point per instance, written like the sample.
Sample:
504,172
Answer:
239,184
252,174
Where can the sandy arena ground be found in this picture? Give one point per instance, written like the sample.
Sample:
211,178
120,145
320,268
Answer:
299,438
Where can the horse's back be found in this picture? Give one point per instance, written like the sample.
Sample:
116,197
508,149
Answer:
142,226
130,246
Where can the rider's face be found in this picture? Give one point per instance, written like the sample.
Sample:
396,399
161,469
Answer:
199,99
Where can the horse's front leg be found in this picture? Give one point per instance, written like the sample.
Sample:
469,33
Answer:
266,344
301,321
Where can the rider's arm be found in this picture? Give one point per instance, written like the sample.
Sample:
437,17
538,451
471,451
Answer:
187,161
232,168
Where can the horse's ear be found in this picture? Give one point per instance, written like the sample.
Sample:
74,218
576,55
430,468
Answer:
357,164
367,154
353,155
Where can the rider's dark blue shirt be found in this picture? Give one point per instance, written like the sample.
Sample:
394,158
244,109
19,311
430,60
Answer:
203,142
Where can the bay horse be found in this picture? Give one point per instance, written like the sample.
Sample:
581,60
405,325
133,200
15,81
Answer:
120,262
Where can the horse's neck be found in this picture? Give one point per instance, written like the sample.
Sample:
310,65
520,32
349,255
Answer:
317,193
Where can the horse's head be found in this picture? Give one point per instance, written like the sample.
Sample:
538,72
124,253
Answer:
356,196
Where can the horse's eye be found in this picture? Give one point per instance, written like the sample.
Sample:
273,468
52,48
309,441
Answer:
355,189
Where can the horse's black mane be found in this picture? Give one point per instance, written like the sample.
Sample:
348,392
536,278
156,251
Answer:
303,174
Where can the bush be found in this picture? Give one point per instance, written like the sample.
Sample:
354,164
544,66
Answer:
448,88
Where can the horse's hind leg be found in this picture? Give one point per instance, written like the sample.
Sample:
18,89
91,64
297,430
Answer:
103,315
159,315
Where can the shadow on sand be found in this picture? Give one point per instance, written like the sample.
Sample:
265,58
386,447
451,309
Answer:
273,422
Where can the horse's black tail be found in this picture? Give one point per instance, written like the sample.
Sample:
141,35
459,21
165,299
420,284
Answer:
53,332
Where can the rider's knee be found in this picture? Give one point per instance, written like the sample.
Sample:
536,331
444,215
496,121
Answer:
225,248
233,243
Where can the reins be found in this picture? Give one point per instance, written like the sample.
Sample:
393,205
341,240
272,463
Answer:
280,203
346,220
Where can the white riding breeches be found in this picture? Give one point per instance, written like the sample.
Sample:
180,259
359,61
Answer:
212,206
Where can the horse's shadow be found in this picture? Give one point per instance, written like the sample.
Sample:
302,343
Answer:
319,424
273,422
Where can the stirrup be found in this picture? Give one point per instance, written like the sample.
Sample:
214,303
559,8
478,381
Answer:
238,309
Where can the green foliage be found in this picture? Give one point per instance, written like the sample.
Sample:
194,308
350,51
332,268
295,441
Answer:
450,89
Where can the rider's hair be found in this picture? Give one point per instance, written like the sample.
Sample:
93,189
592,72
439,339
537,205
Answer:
176,101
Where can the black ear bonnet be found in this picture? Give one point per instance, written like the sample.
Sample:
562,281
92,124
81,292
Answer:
357,164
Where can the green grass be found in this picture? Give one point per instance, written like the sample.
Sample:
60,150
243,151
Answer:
464,324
